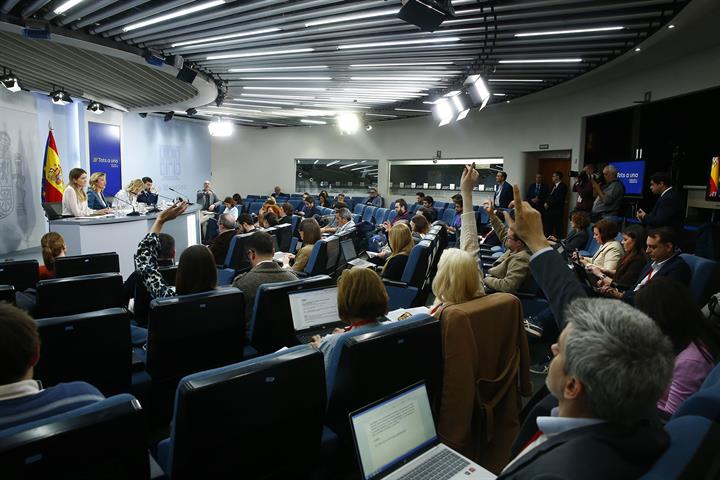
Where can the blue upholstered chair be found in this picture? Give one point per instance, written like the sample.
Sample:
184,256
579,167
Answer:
379,216
237,419
324,257
106,439
359,209
703,272
99,291
368,213
703,403
93,347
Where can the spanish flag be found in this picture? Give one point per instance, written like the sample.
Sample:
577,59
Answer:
714,178
52,185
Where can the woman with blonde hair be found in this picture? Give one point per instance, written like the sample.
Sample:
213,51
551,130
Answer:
75,200
361,299
459,277
96,199
128,195
53,246
401,244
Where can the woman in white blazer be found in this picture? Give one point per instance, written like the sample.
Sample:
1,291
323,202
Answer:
75,200
610,251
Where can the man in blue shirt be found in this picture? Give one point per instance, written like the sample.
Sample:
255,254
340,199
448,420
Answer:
373,198
23,399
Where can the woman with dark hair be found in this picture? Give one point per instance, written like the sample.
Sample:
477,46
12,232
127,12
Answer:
610,251
420,227
238,200
630,265
323,199
696,343
230,207
309,231
584,189
577,238
196,271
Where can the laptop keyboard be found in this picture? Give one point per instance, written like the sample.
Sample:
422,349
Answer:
307,337
441,466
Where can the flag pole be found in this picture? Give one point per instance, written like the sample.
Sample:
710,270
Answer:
49,125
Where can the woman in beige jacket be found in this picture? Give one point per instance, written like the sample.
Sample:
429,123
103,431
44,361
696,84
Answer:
610,251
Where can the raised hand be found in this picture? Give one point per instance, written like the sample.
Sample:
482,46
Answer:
469,178
527,223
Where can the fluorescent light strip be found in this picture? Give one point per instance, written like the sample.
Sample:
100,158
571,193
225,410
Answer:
284,89
288,97
169,16
321,113
332,163
381,115
518,80
418,64
265,101
401,78
468,11
314,122
357,16
346,106
226,37
226,104
276,69
412,110
499,94
568,32
349,165
319,79
66,6
399,42
544,60
260,54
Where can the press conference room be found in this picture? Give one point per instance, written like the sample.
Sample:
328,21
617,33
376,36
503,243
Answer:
367,239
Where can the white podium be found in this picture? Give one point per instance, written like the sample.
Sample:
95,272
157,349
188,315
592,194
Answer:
122,234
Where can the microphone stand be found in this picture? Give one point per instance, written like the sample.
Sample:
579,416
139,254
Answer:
154,208
173,190
134,213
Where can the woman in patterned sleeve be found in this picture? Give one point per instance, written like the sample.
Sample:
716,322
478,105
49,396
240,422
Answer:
196,269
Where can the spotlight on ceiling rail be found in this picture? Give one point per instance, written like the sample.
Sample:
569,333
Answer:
190,112
59,96
96,108
426,14
169,116
478,90
220,127
10,81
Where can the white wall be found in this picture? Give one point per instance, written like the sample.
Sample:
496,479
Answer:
175,153
253,160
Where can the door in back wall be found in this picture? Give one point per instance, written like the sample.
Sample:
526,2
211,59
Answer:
546,166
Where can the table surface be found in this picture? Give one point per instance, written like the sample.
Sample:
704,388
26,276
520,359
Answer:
105,220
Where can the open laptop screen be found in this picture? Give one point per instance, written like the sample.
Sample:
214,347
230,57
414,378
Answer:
392,431
313,308
348,250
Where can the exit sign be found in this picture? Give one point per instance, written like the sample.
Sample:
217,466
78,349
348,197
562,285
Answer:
544,146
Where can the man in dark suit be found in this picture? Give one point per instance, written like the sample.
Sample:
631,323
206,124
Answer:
147,196
601,428
227,229
667,211
503,191
665,261
555,207
264,270
537,193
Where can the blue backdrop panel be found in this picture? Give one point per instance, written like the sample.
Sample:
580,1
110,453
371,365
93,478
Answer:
104,142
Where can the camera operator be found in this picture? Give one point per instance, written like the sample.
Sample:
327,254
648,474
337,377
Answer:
584,189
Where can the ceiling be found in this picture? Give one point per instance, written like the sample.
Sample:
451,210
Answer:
300,62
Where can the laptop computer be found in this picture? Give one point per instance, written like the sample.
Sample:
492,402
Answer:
350,256
314,312
395,439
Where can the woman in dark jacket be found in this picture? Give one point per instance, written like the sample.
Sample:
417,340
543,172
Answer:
631,264
577,239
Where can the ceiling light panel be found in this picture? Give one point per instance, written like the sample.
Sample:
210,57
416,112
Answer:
278,69
175,14
226,37
356,16
399,43
568,31
265,53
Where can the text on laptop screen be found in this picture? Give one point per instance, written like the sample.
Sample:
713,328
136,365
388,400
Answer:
393,430
348,250
311,308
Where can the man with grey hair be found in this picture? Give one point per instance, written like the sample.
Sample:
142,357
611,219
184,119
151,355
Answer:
228,229
343,222
608,198
611,365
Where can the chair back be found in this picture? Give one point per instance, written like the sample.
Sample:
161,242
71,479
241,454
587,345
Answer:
703,403
85,293
21,274
93,347
713,378
368,213
102,440
141,305
369,364
87,264
449,216
324,257
283,233
7,294
237,418
418,265
271,326
191,333
380,216
236,257
703,273
255,207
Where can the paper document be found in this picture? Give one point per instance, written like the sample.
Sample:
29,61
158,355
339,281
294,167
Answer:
395,315
311,308
371,254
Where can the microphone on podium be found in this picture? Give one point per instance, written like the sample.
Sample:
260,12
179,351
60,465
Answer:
181,195
134,213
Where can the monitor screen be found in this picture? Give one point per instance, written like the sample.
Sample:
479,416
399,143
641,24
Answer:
348,250
313,308
712,193
632,176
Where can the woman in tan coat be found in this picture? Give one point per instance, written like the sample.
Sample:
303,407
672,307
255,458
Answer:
610,251
309,235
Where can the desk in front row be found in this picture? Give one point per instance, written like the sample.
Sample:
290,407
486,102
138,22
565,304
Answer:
122,235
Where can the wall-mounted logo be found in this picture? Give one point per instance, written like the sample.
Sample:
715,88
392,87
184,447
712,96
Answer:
7,197
170,168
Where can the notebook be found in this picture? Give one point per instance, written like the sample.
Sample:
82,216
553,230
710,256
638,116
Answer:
395,439
314,312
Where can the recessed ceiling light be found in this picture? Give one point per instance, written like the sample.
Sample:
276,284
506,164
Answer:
356,16
671,26
169,16
260,54
637,49
399,43
543,60
499,94
568,32
226,37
